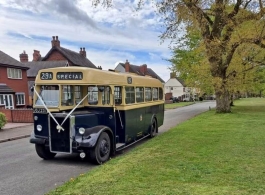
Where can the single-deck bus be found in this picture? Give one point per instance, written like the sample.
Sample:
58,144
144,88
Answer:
93,112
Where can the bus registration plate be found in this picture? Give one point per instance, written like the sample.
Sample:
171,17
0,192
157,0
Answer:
39,110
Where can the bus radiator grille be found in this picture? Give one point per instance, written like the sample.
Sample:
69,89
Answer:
60,141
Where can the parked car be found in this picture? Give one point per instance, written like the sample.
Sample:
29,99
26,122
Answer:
174,99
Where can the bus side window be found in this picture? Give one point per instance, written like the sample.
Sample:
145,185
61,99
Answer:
118,95
161,95
106,95
148,94
155,94
92,95
139,94
130,95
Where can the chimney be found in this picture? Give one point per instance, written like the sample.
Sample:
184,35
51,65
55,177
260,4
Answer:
24,57
55,41
82,52
127,66
173,75
36,55
143,69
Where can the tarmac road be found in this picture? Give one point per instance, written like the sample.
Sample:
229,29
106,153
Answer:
22,172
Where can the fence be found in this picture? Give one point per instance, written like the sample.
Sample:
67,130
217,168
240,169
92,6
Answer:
18,115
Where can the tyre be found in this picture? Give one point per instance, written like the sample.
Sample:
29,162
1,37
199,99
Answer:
153,128
44,152
101,152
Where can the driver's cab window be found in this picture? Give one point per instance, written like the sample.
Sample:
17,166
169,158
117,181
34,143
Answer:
78,93
67,97
92,95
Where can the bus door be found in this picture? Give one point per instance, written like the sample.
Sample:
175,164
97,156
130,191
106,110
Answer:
119,115
105,97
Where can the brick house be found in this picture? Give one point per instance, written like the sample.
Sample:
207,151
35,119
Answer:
56,57
13,83
141,70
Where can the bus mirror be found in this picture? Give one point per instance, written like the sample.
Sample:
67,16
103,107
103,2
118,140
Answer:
32,88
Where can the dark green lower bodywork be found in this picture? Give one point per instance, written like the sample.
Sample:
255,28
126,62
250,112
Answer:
122,126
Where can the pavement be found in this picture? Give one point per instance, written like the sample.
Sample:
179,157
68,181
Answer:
13,131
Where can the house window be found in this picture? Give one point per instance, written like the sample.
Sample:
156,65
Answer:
183,89
20,99
2,100
13,73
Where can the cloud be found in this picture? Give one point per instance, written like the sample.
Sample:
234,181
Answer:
109,35
66,9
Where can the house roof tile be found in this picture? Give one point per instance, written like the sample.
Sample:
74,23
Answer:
35,66
136,69
6,60
5,89
72,56
181,81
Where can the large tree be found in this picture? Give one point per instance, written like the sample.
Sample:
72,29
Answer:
225,26
190,61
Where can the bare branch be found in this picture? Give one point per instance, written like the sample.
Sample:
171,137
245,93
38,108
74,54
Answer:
236,9
231,54
246,5
203,19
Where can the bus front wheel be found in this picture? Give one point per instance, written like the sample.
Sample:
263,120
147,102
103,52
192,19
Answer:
153,128
101,152
44,152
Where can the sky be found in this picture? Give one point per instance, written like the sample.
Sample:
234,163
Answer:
110,35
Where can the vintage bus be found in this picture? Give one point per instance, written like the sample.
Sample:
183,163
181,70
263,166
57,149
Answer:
93,112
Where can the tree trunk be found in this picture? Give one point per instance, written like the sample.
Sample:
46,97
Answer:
222,100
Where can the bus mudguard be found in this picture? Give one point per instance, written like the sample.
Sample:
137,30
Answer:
35,140
91,135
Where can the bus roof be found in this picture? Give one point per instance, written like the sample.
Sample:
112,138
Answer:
90,76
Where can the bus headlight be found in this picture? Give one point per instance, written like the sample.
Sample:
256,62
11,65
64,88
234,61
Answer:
39,127
81,130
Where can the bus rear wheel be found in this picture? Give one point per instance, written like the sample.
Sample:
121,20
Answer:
153,129
101,152
44,152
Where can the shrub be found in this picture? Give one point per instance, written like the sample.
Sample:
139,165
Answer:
2,120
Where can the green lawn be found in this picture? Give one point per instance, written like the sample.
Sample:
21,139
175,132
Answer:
209,154
176,105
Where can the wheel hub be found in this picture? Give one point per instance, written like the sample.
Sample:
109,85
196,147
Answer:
104,148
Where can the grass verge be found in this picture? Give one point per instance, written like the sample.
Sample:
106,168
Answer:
209,154
177,105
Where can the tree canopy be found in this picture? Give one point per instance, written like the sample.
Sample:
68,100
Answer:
232,34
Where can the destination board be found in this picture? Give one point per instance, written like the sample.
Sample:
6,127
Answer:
69,76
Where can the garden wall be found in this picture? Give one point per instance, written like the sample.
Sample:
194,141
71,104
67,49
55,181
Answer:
18,115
